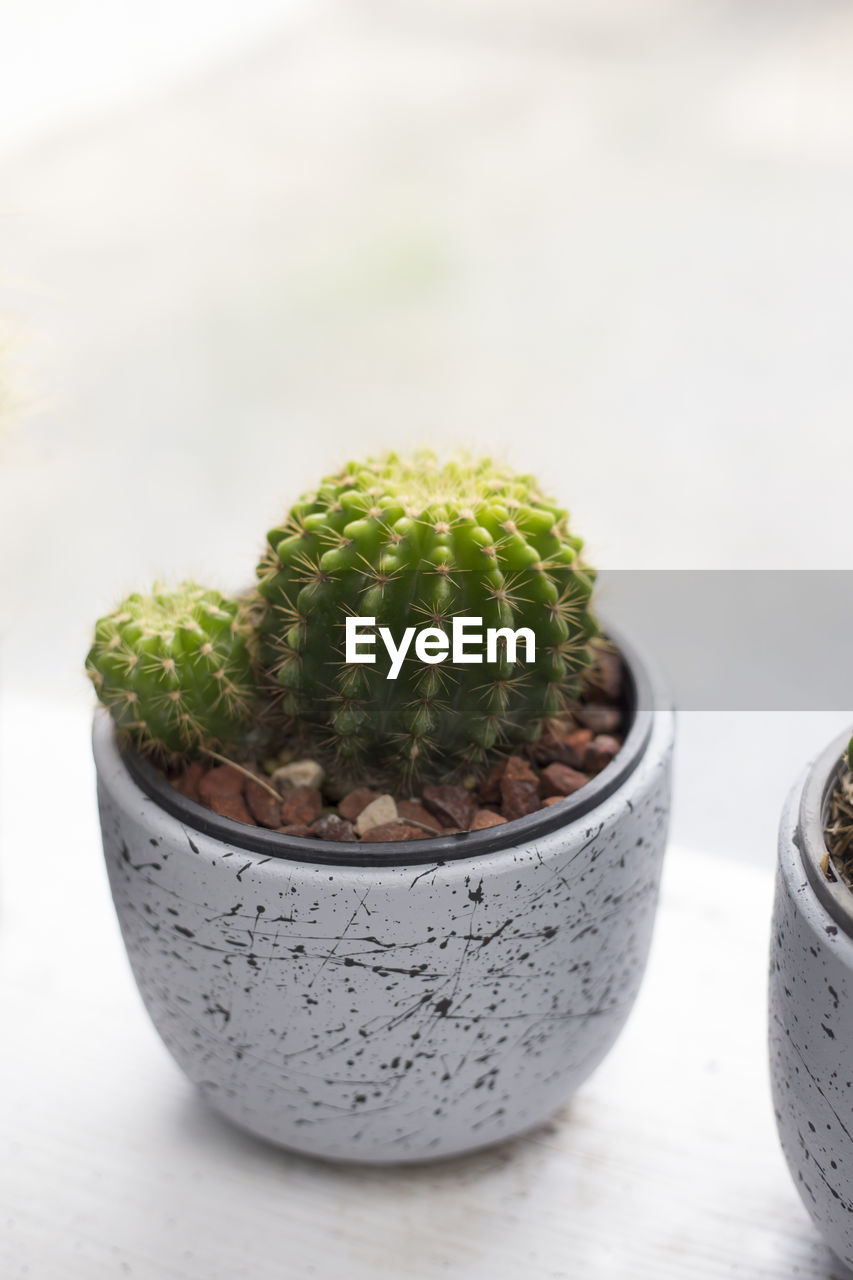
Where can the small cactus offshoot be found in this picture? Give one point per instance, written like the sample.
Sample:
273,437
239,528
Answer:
174,668
417,543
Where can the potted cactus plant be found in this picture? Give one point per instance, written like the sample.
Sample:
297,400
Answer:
811,993
384,832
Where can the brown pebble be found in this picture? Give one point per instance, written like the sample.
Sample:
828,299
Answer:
560,780
354,801
453,806
189,780
566,748
605,678
232,806
331,827
221,780
221,789
600,718
296,829
572,749
600,752
517,769
519,789
393,831
556,731
414,812
549,800
489,789
301,805
265,809
579,741
519,799
485,818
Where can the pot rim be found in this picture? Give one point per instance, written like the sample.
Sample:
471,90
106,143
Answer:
434,849
809,837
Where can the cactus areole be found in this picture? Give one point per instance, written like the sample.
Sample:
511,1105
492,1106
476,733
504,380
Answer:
418,616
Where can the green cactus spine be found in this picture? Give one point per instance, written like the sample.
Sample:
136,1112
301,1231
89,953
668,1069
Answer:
174,668
419,543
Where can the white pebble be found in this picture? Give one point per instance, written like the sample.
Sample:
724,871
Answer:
382,809
301,773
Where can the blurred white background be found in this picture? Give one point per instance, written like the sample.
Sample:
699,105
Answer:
610,241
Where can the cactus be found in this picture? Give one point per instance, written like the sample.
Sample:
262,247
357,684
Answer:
419,543
174,669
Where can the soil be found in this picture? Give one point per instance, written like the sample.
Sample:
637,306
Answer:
838,863
294,796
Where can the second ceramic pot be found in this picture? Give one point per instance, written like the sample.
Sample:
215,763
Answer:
811,1010
401,1001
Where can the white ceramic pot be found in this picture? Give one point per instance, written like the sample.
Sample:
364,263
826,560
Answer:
811,1010
400,1001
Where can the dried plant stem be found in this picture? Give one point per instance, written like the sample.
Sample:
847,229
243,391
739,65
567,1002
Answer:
247,773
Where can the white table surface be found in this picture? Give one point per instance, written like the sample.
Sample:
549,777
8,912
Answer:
664,1165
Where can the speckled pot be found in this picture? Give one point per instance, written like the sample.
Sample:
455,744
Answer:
396,1002
811,1010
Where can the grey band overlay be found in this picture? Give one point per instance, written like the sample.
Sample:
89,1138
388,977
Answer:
738,640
